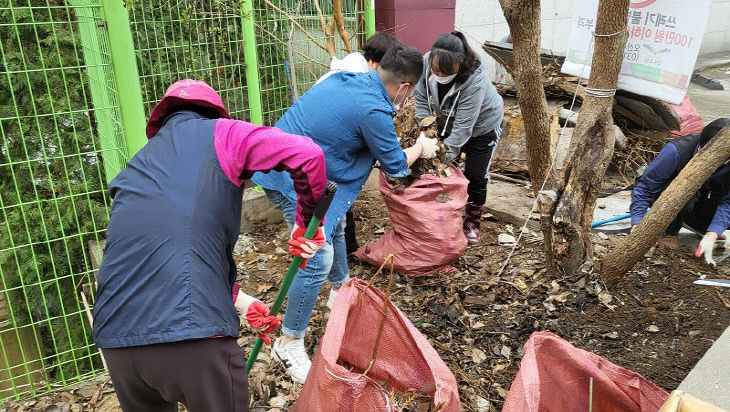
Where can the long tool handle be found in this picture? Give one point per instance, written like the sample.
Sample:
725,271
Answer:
317,216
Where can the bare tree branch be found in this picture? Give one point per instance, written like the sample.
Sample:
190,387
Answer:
330,48
340,21
296,23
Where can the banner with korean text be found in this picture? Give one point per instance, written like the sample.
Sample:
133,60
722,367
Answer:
664,40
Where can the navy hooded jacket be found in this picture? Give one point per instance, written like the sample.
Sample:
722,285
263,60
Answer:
167,272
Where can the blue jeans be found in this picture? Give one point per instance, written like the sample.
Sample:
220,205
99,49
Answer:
329,263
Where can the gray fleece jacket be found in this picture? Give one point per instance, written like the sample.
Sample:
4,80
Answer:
472,108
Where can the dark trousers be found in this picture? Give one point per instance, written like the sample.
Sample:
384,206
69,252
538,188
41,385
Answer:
479,151
202,374
350,237
697,214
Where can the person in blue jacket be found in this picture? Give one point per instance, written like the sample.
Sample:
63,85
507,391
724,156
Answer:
373,51
708,211
350,116
167,310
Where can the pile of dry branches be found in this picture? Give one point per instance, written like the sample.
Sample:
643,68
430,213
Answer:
637,153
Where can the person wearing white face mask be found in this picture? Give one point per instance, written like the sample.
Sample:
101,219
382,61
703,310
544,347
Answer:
350,116
373,51
455,87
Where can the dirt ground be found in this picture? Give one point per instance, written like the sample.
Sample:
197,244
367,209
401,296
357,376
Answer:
655,321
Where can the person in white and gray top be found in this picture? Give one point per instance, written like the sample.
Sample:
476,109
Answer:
455,87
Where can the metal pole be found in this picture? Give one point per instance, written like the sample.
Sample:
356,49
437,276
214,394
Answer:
253,81
370,18
322,205
124,63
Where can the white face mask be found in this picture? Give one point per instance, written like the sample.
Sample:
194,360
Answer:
398,105
444,79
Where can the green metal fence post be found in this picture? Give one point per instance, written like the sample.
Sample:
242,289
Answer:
369,18
100,76
124,63
253,81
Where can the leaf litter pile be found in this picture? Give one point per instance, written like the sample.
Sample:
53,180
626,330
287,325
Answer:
407,128
655,321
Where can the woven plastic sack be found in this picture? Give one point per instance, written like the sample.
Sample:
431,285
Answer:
426,234
555,376
404,359
691,120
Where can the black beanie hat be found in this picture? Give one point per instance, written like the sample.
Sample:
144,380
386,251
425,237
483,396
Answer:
712,129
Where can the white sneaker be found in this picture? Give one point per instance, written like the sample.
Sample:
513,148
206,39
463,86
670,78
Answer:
331,300
294,358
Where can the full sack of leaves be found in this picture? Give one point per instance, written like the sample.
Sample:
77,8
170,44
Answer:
424,208
426,233
373,359
555,376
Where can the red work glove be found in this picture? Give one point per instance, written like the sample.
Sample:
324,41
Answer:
256,316
303,247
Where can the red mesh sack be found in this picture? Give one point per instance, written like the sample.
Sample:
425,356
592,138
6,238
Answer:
691,120
555,376
378,349
426,233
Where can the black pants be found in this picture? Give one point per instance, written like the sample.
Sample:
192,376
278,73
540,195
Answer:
203,374
697,214
350,236
479,151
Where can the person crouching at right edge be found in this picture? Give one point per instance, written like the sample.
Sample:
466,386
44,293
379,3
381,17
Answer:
707,211
167,310
455,87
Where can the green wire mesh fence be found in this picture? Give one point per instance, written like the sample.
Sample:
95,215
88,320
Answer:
289,60
178,39
59,139
62,139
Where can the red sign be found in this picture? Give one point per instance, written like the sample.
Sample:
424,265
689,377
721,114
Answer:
637,4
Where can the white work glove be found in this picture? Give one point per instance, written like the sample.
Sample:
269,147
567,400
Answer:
707,244
430,146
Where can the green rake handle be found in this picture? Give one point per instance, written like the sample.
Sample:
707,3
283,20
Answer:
319,212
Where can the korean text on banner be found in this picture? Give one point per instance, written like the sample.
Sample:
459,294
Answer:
664,40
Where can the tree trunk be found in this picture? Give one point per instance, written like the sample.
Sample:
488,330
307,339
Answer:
591,145
523,18
666,208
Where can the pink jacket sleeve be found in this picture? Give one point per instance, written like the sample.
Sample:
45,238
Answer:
244,149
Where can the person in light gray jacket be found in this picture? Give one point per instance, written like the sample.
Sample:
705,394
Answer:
455,87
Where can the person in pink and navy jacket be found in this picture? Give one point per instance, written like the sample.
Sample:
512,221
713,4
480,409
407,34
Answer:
164,316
